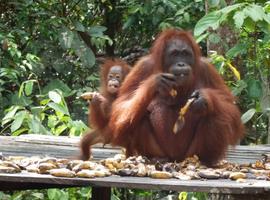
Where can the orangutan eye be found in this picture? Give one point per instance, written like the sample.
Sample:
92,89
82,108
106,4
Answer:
175,52
185,52
110,76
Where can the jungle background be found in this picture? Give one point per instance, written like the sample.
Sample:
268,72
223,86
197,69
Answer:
50,51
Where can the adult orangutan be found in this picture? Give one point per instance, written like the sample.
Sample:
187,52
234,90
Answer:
113,72
144,115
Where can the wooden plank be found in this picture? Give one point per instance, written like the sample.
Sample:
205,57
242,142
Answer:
43,145
211,186
67,147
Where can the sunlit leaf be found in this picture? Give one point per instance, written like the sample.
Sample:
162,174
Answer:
9,116
202,37
60,129
255,12
36,127
239,18
55,97
233,7
18,120
248,115
58,108
57,84
210,20
37,110
19,131
183,196
28,87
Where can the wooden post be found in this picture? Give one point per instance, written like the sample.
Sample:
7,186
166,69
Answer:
101,193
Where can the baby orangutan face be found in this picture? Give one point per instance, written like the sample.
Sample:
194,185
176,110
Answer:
114,79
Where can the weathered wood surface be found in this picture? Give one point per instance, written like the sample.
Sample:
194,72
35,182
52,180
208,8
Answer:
210,186
67,147
44,145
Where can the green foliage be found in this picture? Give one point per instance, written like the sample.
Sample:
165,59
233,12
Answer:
251,22
82,193
70,40
192,196
45,114
48,53
147,18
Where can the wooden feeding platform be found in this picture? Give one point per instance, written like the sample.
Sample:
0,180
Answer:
67,147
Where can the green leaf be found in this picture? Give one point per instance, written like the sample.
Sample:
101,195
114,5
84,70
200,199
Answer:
60,129
44,101
255,12
240,86
240,48
214,19
231,8
97,31
85,54
79,26
66,38
22,101
183,196
239,18
18,120
202,37
58,108
20,131
213,3
37,110
129,22
52,193
254,89
38,195
9,116
21,90
52,121
28,87
57,194
55,97
267,17
58,84
36,127
210,20
248,115
265,99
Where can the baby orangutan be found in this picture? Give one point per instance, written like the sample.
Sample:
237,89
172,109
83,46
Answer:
112,74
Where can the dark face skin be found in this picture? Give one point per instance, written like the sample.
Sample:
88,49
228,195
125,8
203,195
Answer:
114,79
178,60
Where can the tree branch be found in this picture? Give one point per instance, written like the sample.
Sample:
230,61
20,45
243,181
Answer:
87,40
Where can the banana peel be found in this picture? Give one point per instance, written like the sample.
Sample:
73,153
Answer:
180,122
